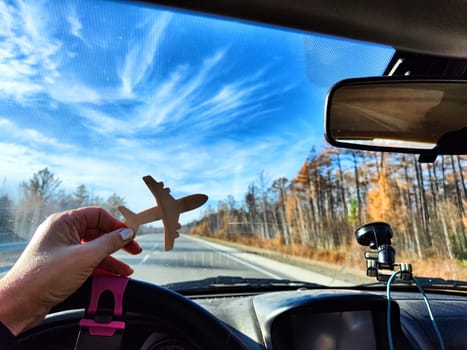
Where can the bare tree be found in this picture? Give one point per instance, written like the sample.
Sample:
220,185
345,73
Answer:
37,202
81,196
6,219
312,209
42,185
280,185
112,203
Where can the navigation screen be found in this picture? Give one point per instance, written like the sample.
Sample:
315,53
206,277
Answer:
347,330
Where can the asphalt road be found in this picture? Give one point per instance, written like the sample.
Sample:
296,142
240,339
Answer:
193,259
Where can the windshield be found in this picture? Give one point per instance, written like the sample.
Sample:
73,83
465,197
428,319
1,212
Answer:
96,95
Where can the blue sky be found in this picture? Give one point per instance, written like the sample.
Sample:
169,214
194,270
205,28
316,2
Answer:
104,93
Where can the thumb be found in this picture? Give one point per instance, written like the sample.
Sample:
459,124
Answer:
110,242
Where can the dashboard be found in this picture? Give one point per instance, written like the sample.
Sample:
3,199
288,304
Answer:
341,319
302,319
316,320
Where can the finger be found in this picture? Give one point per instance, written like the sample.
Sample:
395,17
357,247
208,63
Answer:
94,233
92,220
109,243
115,266
133,248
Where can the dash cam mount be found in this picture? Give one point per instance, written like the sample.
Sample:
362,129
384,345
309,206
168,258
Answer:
377,235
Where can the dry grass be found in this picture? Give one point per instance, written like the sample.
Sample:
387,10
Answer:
447,269
352,259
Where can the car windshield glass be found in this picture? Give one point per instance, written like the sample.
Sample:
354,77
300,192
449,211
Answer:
97,94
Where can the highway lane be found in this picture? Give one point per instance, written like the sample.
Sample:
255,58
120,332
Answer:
193,258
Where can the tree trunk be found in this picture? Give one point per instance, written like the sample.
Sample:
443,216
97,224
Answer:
462,180
423,202
446,236
456,186
432,188
443,178
341,186
357,188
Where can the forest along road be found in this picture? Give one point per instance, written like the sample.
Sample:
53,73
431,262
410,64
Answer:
193,259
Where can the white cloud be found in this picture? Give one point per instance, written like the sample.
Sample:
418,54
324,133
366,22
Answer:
31,57
6,19
217,169
27,55
19,89
188,94
75,23
75,92
233,100
168,104
103,123
178,94
29,65
140,57
28,136
17,160
104,171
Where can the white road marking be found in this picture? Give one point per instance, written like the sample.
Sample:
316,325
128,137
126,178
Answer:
148,255
231,257
290,271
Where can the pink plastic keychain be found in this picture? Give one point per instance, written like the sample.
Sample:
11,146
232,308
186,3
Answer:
168,209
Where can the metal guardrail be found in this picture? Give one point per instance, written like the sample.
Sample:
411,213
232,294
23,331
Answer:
9,253
12,246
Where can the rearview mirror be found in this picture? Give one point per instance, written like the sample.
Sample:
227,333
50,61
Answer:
428,117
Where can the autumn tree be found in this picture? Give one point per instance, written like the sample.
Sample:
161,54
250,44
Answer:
334,191
379,202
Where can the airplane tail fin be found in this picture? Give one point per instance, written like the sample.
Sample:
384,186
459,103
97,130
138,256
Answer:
131,219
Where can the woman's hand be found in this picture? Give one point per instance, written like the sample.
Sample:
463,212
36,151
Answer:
63,253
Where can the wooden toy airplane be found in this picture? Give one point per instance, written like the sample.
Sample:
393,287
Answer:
168,209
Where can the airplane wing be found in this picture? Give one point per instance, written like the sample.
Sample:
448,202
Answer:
134,220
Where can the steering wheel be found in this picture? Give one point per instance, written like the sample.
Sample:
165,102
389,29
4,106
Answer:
155,317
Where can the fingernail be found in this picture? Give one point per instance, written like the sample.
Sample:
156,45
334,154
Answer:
126,234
